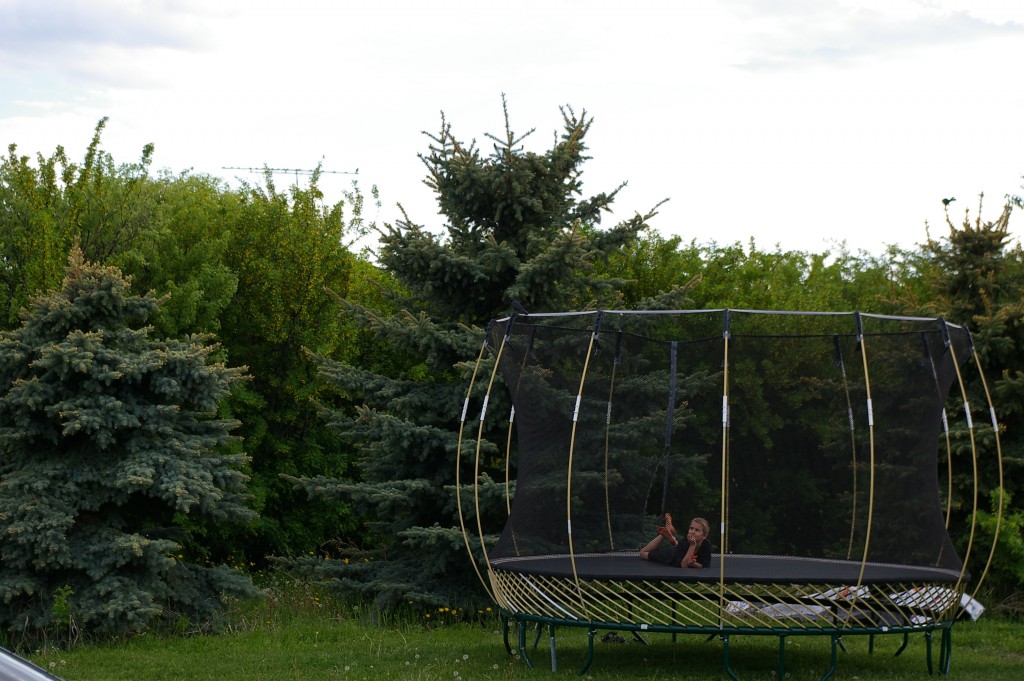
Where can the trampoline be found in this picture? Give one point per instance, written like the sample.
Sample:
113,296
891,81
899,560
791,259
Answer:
822,448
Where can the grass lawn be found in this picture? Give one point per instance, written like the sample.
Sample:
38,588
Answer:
273,644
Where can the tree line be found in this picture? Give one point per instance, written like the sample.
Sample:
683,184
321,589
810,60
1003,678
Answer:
198,380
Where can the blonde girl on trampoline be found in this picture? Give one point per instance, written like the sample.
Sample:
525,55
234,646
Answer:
667,549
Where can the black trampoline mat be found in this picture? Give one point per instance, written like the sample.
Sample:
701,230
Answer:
739,569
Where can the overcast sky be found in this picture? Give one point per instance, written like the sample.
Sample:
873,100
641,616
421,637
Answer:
799,123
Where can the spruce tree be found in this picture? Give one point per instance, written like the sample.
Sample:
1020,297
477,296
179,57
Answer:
517,230
976,277
110,446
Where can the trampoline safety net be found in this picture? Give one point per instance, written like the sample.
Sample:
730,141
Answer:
810,435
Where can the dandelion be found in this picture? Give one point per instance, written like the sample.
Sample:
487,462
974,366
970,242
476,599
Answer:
465,657
495,666
347,667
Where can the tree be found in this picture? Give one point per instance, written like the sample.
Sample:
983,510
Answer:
43,209
517,229
977,278
182,258
288,253
110,446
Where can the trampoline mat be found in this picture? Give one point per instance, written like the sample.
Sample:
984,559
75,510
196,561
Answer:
739,569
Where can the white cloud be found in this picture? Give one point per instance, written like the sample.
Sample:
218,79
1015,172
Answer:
811,122
812,33
95,41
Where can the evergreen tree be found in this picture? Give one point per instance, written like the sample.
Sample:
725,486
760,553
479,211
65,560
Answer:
110,444
977,279
517,229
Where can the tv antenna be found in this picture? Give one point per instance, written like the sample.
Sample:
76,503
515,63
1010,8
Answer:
292,171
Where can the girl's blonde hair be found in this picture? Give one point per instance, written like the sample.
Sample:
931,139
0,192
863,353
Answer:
704,525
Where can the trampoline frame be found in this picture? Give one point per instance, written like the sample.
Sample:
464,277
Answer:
723,605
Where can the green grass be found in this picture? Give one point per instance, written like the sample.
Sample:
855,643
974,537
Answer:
296,636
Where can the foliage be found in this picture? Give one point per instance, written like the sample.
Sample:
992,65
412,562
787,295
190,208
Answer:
745,277
43,208
182,259
517,230
975,278
288,256
109,441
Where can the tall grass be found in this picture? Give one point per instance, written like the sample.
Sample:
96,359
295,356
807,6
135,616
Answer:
298,632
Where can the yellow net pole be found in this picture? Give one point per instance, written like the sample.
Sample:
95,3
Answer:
974,465
724,523
999,461
871,450
853,446
458,464
572,446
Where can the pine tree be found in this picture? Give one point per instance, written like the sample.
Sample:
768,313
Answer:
517,230
976,279
110,446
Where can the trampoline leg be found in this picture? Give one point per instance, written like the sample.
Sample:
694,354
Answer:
726,667
522,644
836,642
946,650
505,627
871,644
590,651
551,632
781,660
906,640
540,630
842,644
928,649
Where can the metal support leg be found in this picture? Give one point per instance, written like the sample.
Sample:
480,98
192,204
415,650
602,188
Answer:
551,633
590,651
726,667
504,627
928,649
906,640
522,643
836,642
946,650
781,659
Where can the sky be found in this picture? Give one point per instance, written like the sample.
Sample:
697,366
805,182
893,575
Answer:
801,124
